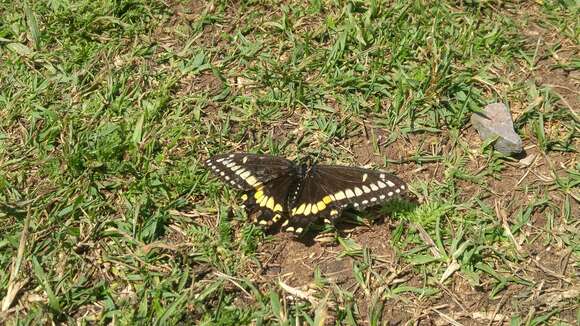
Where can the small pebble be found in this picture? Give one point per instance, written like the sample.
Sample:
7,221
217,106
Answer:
496,120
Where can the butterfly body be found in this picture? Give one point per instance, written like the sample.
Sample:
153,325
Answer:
278,191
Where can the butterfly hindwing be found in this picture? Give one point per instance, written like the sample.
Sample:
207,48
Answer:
308,205
267,205
328,189
246,171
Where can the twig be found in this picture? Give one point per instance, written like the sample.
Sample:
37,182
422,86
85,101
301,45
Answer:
425,236
497,309
502,215
15,286
447,318
298,293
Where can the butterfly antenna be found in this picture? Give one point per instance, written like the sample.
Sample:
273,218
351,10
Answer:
316,158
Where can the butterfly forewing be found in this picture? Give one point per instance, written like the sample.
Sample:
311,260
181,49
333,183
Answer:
328,189
247,171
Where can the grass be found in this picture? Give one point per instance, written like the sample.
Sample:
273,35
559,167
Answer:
108,109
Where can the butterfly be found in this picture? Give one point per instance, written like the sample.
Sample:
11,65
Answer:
280,192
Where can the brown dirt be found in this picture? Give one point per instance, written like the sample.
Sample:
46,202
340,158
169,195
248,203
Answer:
566,83
294,262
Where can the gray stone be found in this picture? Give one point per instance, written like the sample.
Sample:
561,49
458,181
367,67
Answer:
496,121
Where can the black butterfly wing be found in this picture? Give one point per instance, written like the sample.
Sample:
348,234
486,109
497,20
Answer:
268,204
328,189
266,181
246,171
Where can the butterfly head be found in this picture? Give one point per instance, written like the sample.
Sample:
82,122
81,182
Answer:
307,164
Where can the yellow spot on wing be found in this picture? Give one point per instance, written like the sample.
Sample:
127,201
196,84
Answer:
314,209
290,229
244,197
276,218
263,201
327,200
307,209
321,205
334,212
278,208
270,203
299,230
300,209
259,194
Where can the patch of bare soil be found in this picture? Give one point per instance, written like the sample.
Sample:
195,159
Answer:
294,262
549,69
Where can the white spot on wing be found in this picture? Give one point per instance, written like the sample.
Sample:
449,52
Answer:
349,193
390,183
245,159
390,193
357,191
364,177
239,172
366,189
